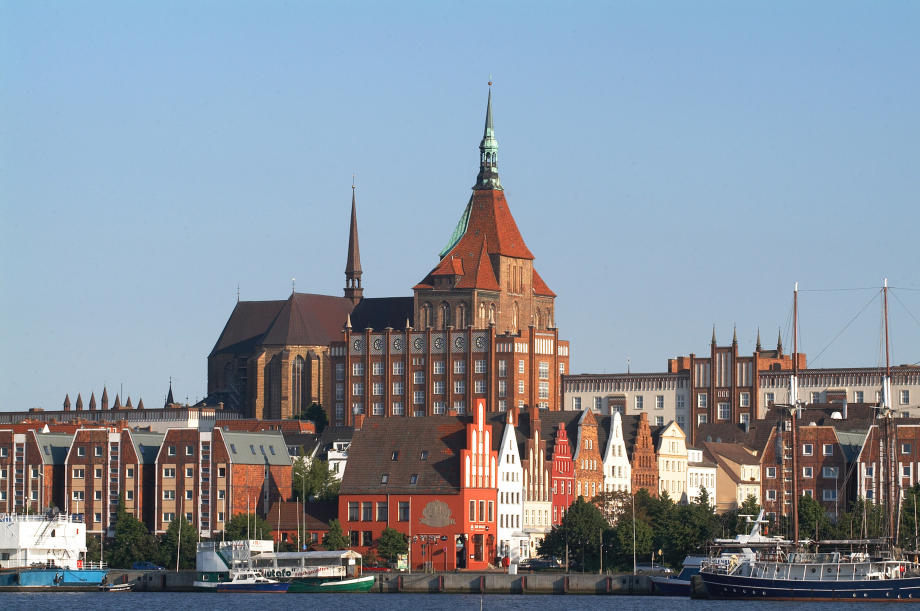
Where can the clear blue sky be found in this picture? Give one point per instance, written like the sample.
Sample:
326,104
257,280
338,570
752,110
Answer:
671,165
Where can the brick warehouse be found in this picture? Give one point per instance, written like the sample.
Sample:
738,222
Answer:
480,325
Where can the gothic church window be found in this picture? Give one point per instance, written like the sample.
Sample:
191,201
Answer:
297,385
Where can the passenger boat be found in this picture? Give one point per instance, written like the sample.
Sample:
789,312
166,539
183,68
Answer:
244,581
321,571
870,570
46,551
679,585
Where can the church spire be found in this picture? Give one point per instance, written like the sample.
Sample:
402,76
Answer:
735,337
713,335
488,154
353,290
169,397
758,340
779,341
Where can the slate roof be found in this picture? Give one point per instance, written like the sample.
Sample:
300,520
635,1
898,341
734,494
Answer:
307,441
264,447
301,320
381,312
372,448
53,447
146,446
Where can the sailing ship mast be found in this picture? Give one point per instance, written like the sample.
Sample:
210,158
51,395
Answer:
794,400
885,412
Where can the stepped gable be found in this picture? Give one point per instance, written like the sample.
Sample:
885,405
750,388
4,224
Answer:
372,448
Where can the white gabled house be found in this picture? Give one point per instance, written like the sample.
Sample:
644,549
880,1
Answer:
617,470
512,541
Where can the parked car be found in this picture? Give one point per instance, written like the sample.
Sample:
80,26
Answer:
146,566
653,568
540,564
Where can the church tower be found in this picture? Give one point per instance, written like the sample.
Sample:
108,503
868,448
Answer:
353,289
486,275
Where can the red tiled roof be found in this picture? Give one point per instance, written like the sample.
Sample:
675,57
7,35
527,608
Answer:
539,287
490,221
482,276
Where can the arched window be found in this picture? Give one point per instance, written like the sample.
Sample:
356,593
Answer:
445,315
514,318
537,321
492,312
426,315
482,314
461,316
297,385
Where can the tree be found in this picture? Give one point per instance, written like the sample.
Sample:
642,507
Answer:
244,526
317,415
313,480
186,544
583,527
812,518
392,543
133,542
93,549
334,539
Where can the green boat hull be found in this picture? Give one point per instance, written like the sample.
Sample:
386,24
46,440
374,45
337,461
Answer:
319,585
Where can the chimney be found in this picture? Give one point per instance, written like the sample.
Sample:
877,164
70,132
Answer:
844,408
359,421
534,413
747,427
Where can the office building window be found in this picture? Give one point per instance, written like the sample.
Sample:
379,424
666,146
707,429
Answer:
905,397
357,389
440,407
399,409
502,369
639,402
858,396
745,399
459,387
807,449
521,366
770,397
808,472
438,367
680,401
381,512
418,377
460,406
701,400
459,367
339,371
399,388
827,449
724,411
377,368
543,389
543,370
480,366
829,495
357,369
439,388
659,420
399,368
520,387
576,402
480,386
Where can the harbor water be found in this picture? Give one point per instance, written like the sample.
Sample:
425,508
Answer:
130,601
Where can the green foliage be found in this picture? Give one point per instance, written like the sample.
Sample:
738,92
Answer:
316,414
582,528
185,544
93,548
133,542
812,518
391,543
335,539
247,526
313,480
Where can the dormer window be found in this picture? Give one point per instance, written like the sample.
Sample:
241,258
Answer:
424,455
413,480
384,479
395,456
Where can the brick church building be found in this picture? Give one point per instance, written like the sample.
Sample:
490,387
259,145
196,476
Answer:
480,325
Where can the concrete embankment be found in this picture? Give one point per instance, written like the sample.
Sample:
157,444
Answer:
503,583
430,583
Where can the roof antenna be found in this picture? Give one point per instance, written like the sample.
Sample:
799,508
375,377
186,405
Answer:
627,363
237,292
292,286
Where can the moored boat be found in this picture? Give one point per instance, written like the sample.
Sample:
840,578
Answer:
46,551
317,585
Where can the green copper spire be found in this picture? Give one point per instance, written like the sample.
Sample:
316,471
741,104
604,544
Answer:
488,155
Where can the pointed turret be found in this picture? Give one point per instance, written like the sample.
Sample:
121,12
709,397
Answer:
92,401
169,397
735,336
779,341
713,335
104,402
67,402
488,155
117,402
128,404
79,403
140,403
348,322
758,340
353,290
